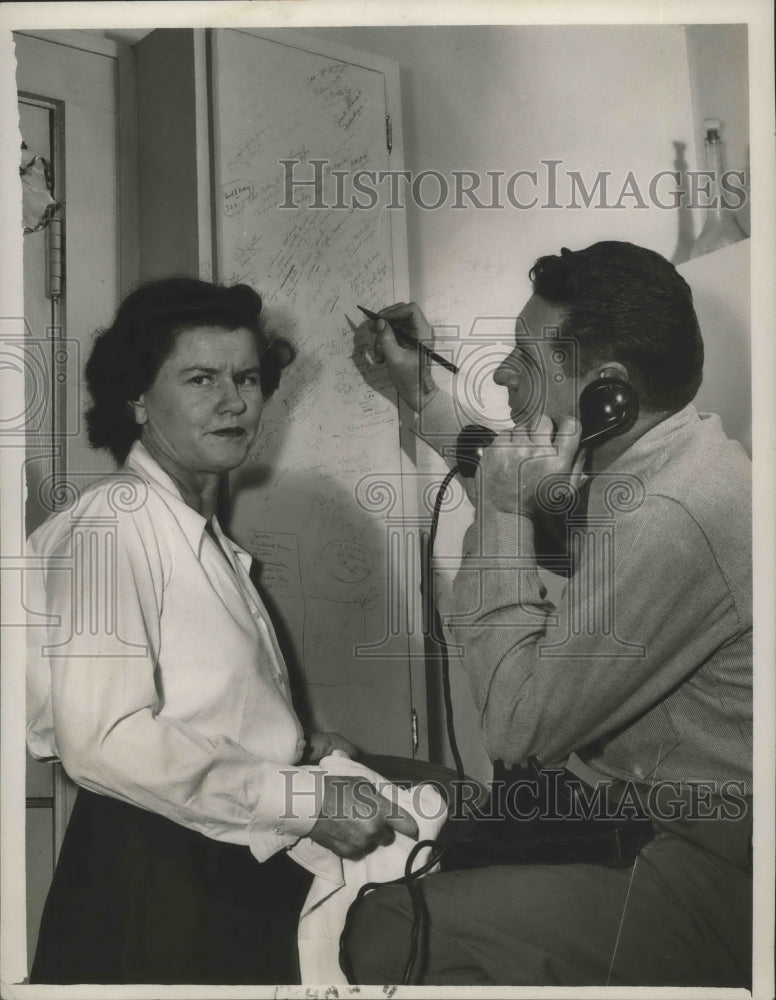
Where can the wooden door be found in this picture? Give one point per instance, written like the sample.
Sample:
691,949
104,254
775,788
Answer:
322,504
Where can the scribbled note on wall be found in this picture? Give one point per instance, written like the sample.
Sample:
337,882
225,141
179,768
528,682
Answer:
323,550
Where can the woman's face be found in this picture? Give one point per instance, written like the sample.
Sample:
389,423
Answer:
201,413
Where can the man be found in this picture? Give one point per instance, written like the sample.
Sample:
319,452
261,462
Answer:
643,669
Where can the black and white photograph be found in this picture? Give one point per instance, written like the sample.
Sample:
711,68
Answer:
386,450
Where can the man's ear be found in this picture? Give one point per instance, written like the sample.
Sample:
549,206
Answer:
604,369
137,409
613,369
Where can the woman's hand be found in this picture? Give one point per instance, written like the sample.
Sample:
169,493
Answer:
322,744
409,375
355,818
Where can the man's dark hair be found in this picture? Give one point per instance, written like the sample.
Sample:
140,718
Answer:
624,303
127,355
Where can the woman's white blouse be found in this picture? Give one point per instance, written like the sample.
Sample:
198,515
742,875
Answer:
154,673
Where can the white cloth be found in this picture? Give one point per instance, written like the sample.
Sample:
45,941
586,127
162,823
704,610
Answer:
337,880
163,684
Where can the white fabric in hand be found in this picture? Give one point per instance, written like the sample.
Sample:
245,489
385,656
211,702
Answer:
337,880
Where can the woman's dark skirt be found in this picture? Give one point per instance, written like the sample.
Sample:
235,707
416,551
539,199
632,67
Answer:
137,898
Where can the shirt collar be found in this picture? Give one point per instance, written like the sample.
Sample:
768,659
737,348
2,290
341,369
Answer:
192,523
654,447
244,557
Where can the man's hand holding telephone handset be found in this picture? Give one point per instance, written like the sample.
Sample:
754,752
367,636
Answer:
608,407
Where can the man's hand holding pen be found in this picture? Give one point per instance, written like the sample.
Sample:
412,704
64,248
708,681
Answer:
406,366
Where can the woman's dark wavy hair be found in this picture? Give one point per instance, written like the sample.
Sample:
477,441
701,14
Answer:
127,355
628,304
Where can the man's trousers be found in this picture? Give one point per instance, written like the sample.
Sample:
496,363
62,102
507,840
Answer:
680,916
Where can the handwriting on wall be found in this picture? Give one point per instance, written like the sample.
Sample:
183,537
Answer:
322,557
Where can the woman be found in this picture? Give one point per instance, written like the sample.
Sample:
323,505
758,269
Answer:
162,690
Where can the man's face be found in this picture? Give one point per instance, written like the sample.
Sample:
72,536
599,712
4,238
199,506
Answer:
539,374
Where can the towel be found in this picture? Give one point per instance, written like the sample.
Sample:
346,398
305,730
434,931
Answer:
337,880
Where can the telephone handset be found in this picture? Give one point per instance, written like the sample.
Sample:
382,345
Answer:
472,441
608,407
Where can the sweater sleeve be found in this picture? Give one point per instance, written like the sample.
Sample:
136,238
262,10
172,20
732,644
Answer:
645,606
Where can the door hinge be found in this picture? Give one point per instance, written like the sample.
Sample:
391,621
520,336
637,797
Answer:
55,273
388,133
415,736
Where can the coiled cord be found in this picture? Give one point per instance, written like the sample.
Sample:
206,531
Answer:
411,879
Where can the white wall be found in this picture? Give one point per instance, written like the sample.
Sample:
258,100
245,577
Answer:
505,98
719,84
720,283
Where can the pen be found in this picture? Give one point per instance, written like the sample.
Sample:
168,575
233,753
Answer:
405,338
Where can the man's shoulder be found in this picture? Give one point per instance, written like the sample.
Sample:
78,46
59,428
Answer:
689,462
697,498
707,473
